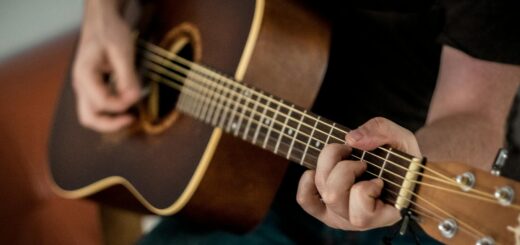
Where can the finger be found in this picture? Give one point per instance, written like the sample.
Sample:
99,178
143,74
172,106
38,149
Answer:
367,210
380,131
329,156
336,192
89,118
121,56
307,195
88,83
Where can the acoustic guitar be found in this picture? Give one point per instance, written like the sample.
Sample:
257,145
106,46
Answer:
188,154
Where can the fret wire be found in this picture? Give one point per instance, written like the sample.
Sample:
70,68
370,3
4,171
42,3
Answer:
363,156
262,115
203,93
209,90
283,129
218,110
330,132
211,110
242,114
255,105
193,103
309,140
234,102
296,133
226,103
270,124
384,162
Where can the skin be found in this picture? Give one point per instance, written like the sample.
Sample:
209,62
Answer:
465,122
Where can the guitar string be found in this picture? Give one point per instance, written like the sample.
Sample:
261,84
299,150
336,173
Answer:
169,57
386,170
464,193
411,192
149,47
450,182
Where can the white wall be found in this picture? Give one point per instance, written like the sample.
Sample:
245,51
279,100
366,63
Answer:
24,23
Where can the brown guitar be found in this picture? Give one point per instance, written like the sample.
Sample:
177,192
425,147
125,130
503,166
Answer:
188,152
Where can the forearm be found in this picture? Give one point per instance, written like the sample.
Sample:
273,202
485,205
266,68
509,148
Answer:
464,138
467,117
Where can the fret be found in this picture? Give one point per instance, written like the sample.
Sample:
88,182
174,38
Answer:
215,96
251,117
330,133
219,104
225,106
190,99
202,94
231,124
245,96
207,96
310,139
181,101
260,122
362,156
218,115
295,135
282,132
337,135
320,134
272,122
384,163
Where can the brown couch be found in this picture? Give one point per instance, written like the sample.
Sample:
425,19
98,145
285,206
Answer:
30,213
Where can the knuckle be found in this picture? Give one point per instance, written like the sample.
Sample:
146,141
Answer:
359,221
331,197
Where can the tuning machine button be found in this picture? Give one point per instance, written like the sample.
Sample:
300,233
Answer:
466,181
487,240
505,195
448,228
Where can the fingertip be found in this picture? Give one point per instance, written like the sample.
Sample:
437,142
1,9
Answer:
353,137
379,182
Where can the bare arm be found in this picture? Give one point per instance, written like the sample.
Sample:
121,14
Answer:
468,111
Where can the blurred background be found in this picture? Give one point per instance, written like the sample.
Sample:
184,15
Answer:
26,23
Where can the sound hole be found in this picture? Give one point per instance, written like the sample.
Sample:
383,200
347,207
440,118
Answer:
158,110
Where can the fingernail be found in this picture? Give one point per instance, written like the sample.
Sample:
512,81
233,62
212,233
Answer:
354,136
378,182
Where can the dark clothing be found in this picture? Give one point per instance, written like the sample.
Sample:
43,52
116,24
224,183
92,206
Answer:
384,62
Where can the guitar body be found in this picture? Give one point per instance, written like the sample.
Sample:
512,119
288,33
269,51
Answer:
177,162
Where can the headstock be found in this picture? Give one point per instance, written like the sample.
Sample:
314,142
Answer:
458,204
